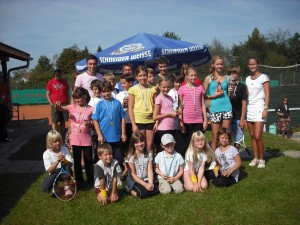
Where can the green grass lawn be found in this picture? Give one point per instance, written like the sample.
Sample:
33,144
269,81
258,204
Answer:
263,196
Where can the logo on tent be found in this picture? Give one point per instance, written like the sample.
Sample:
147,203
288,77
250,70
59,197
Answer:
129,48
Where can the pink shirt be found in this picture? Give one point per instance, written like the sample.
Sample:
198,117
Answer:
192,111
80,134
166,106
84,80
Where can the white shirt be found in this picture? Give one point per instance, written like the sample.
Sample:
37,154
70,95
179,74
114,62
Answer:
50,157
169,165
189,157
256,89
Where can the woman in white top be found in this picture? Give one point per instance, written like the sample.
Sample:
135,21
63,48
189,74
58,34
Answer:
257,109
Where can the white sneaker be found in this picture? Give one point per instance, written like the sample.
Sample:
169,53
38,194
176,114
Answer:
254,162
261,164
212,165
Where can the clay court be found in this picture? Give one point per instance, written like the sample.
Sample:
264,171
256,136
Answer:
29,112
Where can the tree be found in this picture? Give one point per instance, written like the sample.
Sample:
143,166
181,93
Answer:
171,35
41,73
99,49
69,56
294,49
44,64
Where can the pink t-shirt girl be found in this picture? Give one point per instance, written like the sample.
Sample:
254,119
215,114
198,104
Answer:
80,134
191,96
166,106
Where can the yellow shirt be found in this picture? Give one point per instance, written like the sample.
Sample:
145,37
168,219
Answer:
143,103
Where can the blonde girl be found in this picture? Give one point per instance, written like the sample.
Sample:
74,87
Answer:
216,85
197,154
140,179
191,106
141,105
54,154
164,114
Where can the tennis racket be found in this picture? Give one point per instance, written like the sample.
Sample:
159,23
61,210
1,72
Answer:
64,185
242,143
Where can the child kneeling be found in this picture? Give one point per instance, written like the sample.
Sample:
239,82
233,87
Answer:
106,171
169,167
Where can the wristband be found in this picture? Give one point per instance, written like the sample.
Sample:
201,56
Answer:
194,179
103,193
216,168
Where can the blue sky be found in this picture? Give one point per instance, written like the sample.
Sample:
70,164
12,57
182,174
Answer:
43,27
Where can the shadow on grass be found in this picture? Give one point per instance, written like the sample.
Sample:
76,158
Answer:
12,188
14,185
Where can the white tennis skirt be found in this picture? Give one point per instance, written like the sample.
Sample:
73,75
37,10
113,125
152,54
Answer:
254,113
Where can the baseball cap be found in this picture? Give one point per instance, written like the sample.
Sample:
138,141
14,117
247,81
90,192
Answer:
167,138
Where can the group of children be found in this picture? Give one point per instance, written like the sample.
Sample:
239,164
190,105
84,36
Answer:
176,113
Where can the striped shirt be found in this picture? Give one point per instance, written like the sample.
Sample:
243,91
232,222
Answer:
191,96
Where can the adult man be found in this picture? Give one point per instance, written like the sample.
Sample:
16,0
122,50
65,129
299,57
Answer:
163,67
84,80
57,92
127,69
238,98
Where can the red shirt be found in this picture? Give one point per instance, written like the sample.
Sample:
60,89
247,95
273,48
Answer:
197,82
59,90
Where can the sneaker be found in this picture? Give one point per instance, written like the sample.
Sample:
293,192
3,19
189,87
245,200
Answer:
68,192
212,165
261,164
254,162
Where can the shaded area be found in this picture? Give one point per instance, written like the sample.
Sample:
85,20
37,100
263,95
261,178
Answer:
14,185
12,188
33,150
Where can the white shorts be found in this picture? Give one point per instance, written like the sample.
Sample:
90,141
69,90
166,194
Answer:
254,113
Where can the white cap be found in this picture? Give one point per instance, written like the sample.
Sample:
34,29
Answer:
167,138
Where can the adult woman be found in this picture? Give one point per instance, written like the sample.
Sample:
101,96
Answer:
283,112
257,109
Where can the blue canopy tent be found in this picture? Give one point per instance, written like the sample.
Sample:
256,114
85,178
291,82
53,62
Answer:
145,49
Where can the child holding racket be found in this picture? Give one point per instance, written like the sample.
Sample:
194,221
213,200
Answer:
106,171
140,179
197,154
229,160
54,158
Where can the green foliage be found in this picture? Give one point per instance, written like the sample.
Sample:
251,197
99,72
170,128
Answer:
68,57
171,35
99,49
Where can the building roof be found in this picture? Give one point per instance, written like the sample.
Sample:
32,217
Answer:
7,52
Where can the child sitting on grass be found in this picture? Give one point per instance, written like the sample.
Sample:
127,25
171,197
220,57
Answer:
52,157
106,171
229,160
169,166
140,179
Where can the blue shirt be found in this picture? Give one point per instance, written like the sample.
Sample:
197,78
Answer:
221,103
109,115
